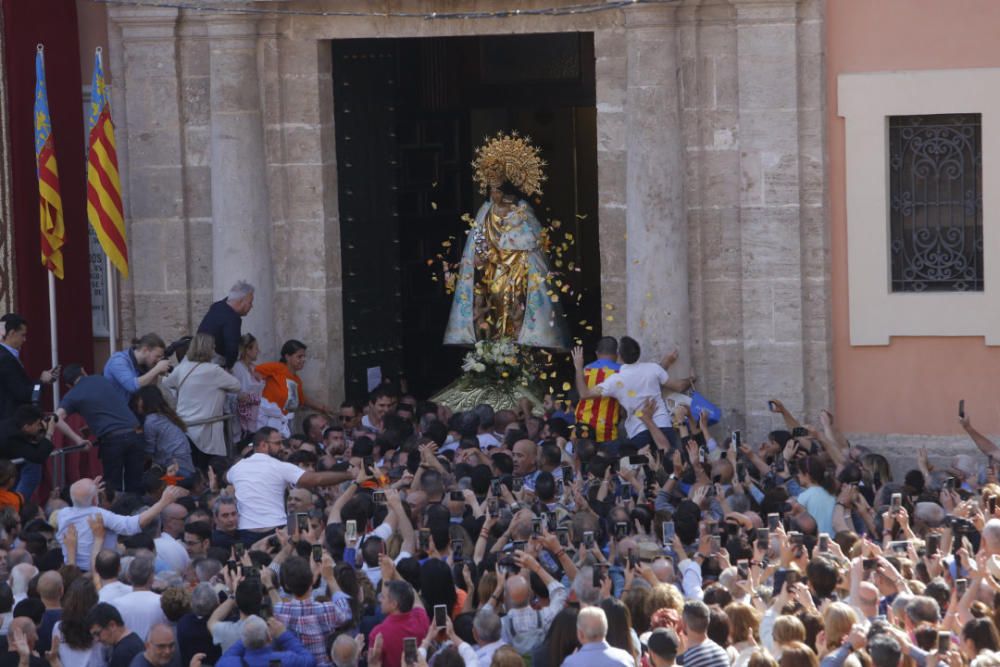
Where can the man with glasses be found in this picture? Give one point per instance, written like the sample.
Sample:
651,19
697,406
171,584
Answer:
350,415
107,627
197,536
260,481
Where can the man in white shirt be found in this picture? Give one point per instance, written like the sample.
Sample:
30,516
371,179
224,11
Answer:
260,481
634,384
486,630
84,494
141,608
108,566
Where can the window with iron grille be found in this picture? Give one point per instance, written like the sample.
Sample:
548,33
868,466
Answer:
936,203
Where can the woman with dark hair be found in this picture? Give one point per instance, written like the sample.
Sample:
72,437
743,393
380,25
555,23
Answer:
560,640
350,590
437,586
979,635
283,392
166,441
620,633
77,647
818,497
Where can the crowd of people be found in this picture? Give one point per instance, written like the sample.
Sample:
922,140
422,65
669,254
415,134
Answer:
396,533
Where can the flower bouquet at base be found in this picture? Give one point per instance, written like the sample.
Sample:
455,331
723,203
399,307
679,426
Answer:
499,373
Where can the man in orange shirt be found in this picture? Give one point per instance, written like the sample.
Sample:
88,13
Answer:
601,414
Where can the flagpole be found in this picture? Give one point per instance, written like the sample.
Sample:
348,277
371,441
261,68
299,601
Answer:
54,336
112,306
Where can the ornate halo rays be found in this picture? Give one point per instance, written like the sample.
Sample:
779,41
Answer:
512,158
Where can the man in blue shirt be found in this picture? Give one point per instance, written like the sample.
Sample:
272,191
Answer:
224,321
138,366
591,632
120,445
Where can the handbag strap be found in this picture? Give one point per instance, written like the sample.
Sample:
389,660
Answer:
184,379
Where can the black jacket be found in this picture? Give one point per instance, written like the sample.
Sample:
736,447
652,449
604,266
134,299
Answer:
15,385
14,444
224,324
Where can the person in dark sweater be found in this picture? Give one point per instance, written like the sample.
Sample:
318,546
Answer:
107,626
27,435
224,321
193,635
122,447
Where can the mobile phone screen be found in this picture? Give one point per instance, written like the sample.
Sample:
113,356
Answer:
351,530
440,615
668,533
317,552
410,650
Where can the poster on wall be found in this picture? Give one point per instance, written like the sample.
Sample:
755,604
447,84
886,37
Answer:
98,286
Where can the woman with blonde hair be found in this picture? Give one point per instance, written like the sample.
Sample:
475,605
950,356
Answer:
506,656
199,389
798,654
744,631
785,631
838,620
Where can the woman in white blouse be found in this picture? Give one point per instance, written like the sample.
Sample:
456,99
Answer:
199,389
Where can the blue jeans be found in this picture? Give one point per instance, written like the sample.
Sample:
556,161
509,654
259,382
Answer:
123,457
644,438
31,476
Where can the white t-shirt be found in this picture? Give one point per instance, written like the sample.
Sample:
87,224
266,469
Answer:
143,611
113,591
632,386
487,440
172,552
260,482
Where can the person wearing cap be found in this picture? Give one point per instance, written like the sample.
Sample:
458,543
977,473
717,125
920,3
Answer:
121,445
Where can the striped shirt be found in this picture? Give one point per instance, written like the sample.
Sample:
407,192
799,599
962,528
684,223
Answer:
602,413
705,654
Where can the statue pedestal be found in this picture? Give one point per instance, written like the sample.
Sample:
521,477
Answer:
471,390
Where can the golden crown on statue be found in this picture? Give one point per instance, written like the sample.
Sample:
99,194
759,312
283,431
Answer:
511,158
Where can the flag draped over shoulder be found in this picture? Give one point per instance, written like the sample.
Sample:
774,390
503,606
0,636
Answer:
49,199
104,198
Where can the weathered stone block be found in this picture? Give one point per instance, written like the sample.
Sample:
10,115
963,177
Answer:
156,192
198,192
770,242
195,100
300,263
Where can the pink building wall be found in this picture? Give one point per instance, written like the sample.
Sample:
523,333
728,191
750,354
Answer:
912,385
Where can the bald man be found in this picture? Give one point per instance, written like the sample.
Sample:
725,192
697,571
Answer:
84,494
346,651
50,589
591,632
300,500
161,648
20,576
524,627
525,456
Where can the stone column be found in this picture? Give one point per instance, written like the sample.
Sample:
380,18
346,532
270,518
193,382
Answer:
770,211
657,292
241,225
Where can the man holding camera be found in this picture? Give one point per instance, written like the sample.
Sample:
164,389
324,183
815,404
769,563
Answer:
27,435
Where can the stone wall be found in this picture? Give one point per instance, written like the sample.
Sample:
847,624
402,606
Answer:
710,171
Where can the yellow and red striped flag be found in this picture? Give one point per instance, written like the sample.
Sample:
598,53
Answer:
104,193
49,199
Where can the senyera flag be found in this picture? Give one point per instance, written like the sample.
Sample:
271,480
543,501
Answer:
49,199
104,193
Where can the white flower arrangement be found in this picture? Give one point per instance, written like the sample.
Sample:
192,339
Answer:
501,361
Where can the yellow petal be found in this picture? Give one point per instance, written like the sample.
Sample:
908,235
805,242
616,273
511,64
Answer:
566,386
631,393
638,413
434,205
610,318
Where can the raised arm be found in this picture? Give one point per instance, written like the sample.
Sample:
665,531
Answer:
170,495
985,445
312,479
403,524
581,381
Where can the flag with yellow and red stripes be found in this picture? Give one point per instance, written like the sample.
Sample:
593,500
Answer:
104,193
601,414
49,200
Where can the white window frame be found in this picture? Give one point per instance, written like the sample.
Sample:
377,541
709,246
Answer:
866,101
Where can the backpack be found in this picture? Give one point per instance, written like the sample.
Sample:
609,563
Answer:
526,641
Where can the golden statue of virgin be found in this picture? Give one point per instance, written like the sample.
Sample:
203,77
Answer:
503,288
